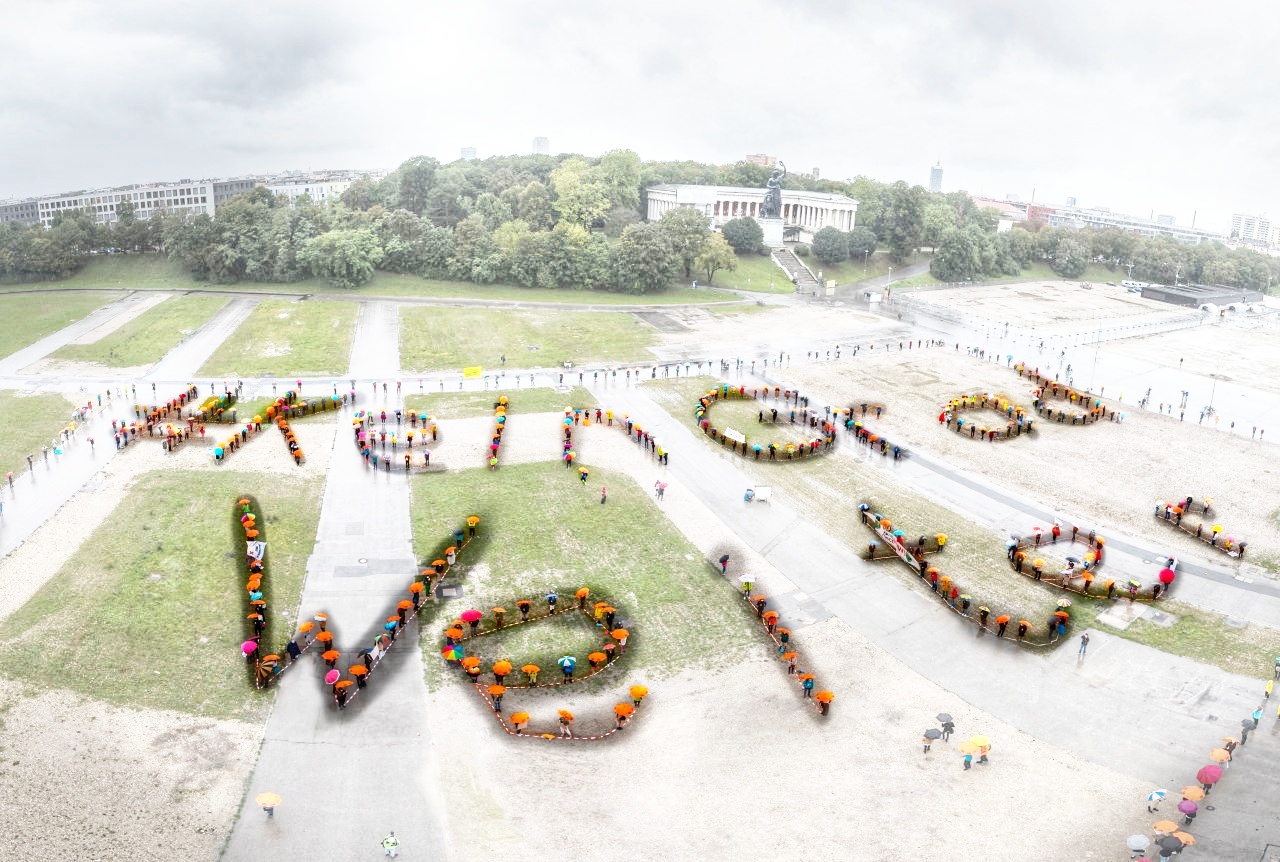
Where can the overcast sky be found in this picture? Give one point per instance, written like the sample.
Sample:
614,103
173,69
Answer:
1140,106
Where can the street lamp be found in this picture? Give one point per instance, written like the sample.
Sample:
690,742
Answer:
888,279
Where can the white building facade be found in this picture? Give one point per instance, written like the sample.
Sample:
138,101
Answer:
808,211
185,197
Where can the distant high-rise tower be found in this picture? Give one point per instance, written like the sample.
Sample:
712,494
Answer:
468,153
815,174
1071,202
542,146
935,178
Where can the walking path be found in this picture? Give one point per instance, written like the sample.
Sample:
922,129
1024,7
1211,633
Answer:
360,768
181,363
15,362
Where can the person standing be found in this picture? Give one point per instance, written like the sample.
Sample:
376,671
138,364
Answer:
724,563
390,845
1084,643
604,495
1257,716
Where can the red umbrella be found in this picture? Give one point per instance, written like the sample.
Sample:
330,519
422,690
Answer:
1209,774
1167,576
471,616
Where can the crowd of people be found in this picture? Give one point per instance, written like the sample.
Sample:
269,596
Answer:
1017,420
372,434
1173,513
948,590
473,624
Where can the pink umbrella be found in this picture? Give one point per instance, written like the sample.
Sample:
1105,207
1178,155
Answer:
1186,806
1209,774
471,616
1167,576
332,676
248,647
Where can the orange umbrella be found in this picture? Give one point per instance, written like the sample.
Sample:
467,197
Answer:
428,572
453,633
416,587
596,657
825,697
252,534
472,521
582,592
325,637
392,619
253,616
805,676
1193,792
343,683
330,655
566,714
519,718
788,656
358,670
303,628
470,661
638,692
404,604
624,709
502,667
497,690
244,501
438,563
258,603
271,657
620,634
530,669
1166,826
1002,619
1219,755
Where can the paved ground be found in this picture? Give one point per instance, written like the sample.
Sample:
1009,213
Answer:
1136,709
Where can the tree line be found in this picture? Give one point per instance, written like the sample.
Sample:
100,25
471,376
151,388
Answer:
575,222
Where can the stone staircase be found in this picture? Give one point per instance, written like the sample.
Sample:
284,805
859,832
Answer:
797,272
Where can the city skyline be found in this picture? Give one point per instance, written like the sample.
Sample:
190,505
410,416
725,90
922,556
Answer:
1011,100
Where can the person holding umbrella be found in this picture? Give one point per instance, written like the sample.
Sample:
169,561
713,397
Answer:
948,726
929,736
567,664
1188,810
1154,798
268,801
390,845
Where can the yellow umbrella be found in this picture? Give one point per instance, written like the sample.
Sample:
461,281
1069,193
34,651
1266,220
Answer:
268,799
980,741
1219,755
968,748
1193,792
1185,837
1166,826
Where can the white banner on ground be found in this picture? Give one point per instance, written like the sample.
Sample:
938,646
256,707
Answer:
735,436
257,550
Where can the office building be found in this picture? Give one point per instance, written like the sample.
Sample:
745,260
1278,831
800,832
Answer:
1251,228
541,146
1098,217
935,178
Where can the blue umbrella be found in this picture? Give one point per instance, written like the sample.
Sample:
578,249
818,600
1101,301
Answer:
255,595
389,626
567,661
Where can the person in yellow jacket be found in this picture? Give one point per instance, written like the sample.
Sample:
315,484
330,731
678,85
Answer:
390,845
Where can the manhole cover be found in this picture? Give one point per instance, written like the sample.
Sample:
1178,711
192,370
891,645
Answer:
362,561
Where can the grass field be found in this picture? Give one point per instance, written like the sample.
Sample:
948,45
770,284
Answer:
452,338
25,318
27,422
287,338
542,531
148,337
148,612
156,272
850,271
462,405
739,414
756,273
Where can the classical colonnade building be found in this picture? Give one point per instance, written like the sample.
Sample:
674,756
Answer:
808,211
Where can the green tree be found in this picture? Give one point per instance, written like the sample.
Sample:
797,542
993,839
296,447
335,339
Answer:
344,258
902,221
493,210
956,257
362,194
1070,258
619,175
744,234
645,260
861,242
939,218
687,230
473,251
716,255
534,206
415,181
830,246
580,197
619,219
